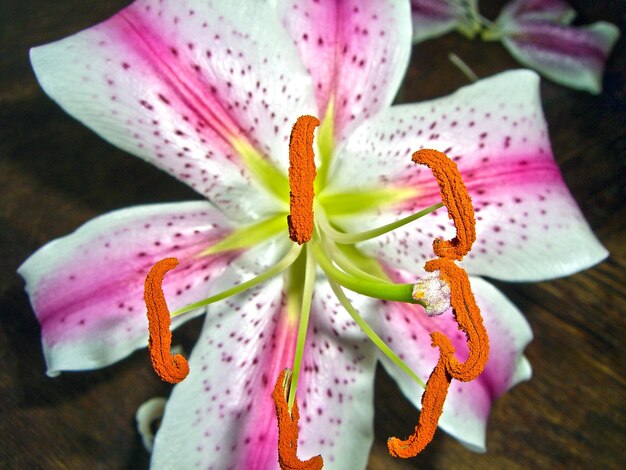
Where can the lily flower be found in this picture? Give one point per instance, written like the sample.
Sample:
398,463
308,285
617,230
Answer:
209,91
537,33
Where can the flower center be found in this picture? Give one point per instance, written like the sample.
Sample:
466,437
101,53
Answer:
317,243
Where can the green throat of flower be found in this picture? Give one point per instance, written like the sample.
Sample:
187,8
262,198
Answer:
325,246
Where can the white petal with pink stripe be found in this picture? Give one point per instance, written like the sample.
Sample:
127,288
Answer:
528,226
356,51
175,82
87,287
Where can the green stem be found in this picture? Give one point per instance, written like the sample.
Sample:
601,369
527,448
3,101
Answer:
371,334
283,264
305,310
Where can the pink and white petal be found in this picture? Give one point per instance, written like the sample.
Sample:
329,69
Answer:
433,18
175,82
87,288
467,406
356,52
222,415
528,225
556,11
571,56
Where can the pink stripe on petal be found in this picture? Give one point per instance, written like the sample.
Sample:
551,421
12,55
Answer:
222,416
356,52
87,288
528,226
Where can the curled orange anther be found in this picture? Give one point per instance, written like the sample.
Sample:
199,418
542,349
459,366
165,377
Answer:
288,429
464,308
456,199
432,406
301,177
172,369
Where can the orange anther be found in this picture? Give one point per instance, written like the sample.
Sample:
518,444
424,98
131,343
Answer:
288,429
464,308
301,177
172,369
432,406
456,199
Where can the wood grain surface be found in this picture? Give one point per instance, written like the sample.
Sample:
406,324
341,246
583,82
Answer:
55,174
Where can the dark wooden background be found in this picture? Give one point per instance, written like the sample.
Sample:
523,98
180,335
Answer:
55,175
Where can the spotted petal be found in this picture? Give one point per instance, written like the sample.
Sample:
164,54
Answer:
356,52
528,225
222,415
468,404
87,288
176,82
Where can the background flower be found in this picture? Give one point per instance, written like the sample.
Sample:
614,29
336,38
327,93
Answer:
538,33
54,217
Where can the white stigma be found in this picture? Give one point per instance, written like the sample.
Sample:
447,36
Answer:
434,292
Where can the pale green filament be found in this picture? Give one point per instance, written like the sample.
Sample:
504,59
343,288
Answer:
283,264
305,310
371,334
350,238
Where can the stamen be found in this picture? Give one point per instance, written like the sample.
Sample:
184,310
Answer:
172,369
464,308
288,429
301,179
432,406
457,200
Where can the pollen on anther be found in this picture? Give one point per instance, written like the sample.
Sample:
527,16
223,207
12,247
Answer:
301,178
